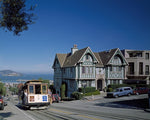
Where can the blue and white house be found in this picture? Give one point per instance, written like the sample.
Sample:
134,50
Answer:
114,63
82,66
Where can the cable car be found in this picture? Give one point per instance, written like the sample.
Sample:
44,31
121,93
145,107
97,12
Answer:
34,95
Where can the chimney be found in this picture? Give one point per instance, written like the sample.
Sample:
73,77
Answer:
74,49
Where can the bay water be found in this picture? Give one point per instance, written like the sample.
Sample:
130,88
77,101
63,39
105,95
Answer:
16,79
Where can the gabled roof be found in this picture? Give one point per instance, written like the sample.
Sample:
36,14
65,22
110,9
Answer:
61,58
102,58
105,56
72,60
99,64
67,60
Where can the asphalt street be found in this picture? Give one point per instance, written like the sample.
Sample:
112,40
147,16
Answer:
90,108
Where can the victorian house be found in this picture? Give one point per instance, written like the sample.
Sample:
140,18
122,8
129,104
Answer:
114,63
83,67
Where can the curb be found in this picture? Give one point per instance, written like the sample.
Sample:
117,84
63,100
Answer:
147,110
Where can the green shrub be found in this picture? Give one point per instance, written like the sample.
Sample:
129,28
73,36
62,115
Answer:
76,95
109,90
2,89
87,89
93,93
63,89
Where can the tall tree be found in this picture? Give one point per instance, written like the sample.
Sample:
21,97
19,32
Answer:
14,15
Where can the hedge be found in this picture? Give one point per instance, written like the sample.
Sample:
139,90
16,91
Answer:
97,92
63,89
87,89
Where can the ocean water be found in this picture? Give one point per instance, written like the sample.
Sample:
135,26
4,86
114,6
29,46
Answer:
15,79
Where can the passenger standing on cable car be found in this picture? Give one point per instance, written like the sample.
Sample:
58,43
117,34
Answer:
50,96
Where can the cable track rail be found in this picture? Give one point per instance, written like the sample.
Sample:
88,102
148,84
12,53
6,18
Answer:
50,115
102,114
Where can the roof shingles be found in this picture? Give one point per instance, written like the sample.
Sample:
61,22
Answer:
68,60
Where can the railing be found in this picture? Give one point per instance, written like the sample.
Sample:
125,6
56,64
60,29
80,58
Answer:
130,73
137,74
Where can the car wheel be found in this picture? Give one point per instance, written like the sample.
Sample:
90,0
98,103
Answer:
116,96
137,93
129,94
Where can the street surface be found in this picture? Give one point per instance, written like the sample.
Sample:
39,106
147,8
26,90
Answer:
92,108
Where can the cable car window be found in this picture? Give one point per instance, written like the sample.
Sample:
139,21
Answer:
31,89
44,89
37,89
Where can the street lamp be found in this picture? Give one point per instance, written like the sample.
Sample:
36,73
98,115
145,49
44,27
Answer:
84,85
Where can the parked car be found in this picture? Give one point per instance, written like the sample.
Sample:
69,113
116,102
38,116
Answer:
140,90
120,92
1,103
55,98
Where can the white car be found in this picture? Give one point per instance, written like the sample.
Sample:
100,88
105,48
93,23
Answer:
120,92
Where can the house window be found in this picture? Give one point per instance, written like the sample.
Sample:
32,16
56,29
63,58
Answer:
131,54
110,68
131,68
114,81
87,70
139,54
146,56
140,68
83,69
87,56
147,70
91,70
71,69
90,83
115,57
64,71
120,68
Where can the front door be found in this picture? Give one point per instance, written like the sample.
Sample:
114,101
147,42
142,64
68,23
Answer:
99,85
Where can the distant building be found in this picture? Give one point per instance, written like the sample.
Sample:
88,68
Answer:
80,67
138,70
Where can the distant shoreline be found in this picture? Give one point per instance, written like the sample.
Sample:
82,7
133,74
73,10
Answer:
14,79
12,75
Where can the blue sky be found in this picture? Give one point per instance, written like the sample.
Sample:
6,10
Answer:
99,24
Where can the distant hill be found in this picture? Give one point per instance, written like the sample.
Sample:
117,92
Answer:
9,73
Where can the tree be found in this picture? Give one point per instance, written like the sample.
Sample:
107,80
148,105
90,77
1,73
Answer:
2,89
63,90
14,16
14,90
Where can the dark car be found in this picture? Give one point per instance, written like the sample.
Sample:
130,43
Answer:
140,90
55,98
1,103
